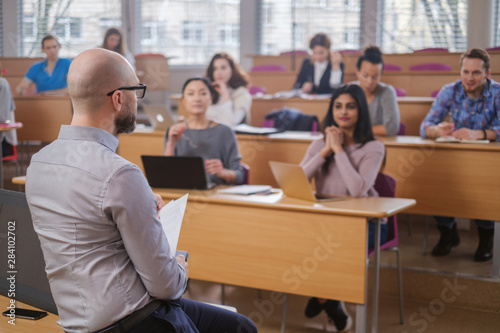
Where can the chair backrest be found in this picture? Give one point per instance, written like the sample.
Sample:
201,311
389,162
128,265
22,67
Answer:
297,52
352,52
254,90
246,173
402,129
290,119
432,49
12,157
392,68
400,92
385,185
431,67
495,48
268,68
434,93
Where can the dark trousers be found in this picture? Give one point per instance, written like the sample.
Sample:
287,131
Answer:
446,221
185,315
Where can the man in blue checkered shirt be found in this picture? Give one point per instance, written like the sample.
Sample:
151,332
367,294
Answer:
473,104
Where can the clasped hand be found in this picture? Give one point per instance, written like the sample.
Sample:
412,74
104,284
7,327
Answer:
334,139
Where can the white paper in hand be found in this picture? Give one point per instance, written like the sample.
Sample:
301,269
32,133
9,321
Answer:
171,216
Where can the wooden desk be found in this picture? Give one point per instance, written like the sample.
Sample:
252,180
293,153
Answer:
46,324
42,117
412,110
283,244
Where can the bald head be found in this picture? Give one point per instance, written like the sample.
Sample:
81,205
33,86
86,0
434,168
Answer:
94,73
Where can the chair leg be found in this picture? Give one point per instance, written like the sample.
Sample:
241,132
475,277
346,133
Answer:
222,293
426,234
410,230
400,286
285,308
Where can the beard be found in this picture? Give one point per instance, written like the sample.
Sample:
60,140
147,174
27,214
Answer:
125,123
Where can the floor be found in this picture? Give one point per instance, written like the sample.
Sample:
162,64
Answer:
430,315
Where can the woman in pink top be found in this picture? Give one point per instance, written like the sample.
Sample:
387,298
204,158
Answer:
345,162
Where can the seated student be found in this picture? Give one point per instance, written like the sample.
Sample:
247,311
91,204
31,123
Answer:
381,97
231,100
345,162
48,75
114,41
7,107
323,71
199,136
474,106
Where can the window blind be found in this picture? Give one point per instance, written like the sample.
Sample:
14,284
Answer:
410,25
190,32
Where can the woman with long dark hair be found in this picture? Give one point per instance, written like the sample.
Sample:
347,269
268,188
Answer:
231,98
115,41
345,162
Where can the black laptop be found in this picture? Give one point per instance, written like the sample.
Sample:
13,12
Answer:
175,172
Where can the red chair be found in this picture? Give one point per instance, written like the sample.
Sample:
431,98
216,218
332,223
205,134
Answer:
431,67
495,48
392,68
268,68
400,92
246,173
402,129
434,93
254,90
385,185
296,52
432,49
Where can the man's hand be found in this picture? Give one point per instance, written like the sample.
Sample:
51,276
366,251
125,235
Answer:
29,91
468,134
307,87
159,202
181,260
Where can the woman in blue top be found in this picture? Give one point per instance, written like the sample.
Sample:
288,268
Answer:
47,75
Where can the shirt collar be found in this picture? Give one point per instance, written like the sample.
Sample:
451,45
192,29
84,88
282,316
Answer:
87,133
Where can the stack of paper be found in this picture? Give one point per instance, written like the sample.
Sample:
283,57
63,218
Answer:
452,139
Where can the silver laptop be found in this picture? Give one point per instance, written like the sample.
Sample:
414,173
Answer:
160,116
293,181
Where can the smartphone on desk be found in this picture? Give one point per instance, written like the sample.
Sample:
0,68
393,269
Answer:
25,313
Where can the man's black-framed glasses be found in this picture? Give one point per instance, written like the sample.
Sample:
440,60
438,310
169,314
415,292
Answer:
139,90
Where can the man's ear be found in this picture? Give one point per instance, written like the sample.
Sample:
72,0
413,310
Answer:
117,100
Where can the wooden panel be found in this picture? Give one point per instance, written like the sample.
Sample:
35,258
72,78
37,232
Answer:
269,246
132,146
273,81
446,179
42,117
17,66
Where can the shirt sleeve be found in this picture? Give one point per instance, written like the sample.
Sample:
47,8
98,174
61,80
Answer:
360,181
131,204
335,78
312,160
232,157
390,111
439,110
32,73
305,74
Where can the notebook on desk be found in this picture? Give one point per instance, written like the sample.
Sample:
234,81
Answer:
175,172
293,182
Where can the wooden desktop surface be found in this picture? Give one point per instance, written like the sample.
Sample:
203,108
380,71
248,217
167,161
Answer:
446,179
412,110
281,244
47,324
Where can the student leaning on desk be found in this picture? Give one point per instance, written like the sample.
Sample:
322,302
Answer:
381,97
107,258
49,75
199,136
345,162
231,100
473,103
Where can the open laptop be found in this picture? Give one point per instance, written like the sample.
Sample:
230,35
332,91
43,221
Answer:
293,181
175,172
160,116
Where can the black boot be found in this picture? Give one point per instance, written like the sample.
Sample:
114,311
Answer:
449,238
484,251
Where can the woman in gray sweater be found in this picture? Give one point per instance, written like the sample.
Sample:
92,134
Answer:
381,97
346,162
199,136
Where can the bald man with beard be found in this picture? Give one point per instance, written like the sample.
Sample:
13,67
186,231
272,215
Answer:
107,259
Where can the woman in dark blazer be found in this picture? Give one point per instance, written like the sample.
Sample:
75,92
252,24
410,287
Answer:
323,71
